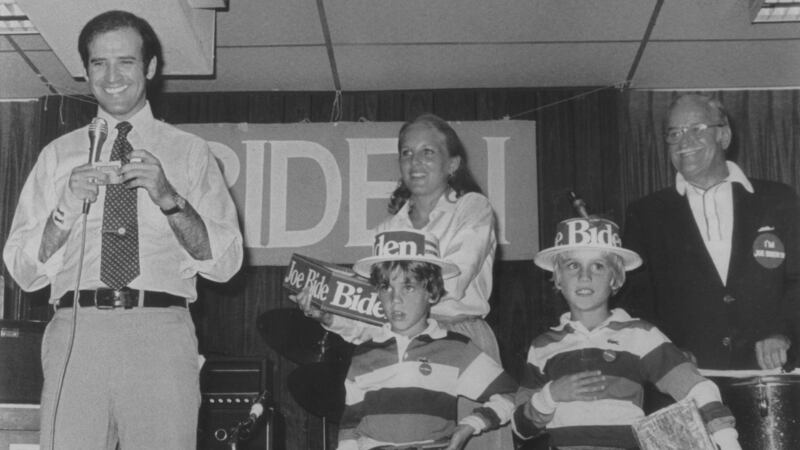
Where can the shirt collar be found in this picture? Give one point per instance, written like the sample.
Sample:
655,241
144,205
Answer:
617,315
445,203
433,330
140,121
735,175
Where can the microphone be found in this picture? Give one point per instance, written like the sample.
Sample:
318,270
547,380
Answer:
98,131
578,204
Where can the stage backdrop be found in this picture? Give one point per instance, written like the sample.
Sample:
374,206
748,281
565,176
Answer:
318,188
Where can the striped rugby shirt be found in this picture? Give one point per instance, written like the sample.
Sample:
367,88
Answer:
405,390
629,352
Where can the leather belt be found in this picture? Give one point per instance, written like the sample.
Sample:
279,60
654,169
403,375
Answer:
122,298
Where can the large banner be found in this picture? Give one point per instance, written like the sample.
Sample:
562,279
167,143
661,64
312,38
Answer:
318,188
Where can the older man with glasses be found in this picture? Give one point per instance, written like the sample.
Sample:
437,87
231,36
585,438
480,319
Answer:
722,252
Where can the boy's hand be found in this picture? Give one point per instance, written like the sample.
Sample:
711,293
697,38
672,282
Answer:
303,300
460,437
690,356
582,386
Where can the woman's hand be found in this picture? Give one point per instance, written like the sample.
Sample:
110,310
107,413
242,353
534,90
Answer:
303,300
582,386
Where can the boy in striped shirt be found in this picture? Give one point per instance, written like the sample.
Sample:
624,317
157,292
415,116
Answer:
403,385
584,378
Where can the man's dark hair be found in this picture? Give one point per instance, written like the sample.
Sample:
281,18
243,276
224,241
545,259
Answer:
430,275
114,20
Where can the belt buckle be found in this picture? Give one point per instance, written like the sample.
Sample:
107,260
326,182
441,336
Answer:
99,305
120,298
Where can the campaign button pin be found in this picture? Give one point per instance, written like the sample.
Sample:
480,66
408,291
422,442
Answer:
609,355
768,250
424,367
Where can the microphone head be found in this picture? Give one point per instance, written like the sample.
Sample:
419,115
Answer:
259,403
98,129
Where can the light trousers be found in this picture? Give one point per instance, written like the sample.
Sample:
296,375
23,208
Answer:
132,378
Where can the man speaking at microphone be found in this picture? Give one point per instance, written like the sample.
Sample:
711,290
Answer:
158,214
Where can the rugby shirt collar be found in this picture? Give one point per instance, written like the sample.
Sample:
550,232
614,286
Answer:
433,330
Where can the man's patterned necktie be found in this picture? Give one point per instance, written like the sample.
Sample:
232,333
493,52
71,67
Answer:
119,257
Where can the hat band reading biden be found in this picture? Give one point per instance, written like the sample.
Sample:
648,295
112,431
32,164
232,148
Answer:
405,245
598,232
401,244
594,233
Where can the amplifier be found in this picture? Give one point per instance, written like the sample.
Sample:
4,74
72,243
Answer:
228,386
21,367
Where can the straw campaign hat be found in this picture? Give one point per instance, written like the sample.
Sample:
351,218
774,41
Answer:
590,233
405,245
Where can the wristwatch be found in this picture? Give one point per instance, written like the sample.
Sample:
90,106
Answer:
180,204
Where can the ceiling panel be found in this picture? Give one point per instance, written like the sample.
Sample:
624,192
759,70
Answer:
473,66
366,21
264,69
25,42
269,23
20,81
17,83
723,64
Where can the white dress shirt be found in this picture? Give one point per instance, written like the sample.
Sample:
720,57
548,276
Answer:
713,213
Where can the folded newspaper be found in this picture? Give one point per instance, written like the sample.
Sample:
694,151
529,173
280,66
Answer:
335,289
676,427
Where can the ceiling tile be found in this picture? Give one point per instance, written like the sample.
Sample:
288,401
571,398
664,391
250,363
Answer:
710,65
265,23
21,81
482,66
264,69
384,21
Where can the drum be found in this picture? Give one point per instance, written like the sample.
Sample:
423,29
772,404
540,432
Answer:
766,408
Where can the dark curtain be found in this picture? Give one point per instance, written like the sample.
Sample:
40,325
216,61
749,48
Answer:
19,143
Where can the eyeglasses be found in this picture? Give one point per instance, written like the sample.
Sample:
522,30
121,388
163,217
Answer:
674,135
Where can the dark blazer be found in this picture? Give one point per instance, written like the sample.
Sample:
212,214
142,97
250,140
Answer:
680,291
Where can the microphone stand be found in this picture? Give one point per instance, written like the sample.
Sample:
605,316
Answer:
239,432
232,436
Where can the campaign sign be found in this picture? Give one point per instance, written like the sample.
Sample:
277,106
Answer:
335,289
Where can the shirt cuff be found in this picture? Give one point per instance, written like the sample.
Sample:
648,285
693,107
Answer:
348,444
727,439
543,400
69,207
64,217
475,422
